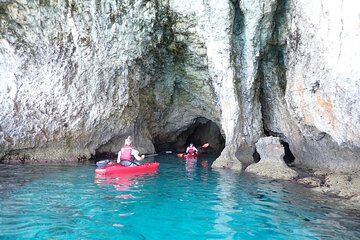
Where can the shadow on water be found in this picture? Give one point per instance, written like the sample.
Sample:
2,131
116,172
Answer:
12,177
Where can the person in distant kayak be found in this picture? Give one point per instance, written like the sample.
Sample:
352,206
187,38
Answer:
128,156
191,149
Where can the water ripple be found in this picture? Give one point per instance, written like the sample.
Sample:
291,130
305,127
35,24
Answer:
180,202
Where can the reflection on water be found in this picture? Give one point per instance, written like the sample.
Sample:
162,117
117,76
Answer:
122,182
204,164
190,165
227,203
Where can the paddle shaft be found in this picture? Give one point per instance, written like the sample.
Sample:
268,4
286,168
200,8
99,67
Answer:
151,155
157,154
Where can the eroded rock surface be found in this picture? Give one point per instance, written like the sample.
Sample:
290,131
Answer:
271,164
77,77
342,185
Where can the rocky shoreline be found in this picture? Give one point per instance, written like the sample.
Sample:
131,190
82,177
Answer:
340,184
344,185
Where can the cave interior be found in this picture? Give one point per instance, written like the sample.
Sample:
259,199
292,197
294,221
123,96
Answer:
199,132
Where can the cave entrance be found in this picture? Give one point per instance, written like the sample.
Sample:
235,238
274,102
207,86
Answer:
201,131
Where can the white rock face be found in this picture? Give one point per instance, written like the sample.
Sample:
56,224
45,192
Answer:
77,77
323,87
67,81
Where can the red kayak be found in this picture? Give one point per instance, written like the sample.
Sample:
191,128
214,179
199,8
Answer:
188,155
116,168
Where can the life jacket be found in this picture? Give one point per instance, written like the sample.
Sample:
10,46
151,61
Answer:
126,151
191,150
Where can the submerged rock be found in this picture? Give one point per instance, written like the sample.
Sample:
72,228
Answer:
310,181
343,185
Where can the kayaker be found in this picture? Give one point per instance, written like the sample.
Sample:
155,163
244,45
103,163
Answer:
128,156
191,149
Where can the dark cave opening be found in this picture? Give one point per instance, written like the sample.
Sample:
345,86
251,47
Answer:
201,131
288,157
102,155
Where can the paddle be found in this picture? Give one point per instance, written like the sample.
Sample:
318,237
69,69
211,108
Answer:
157,154
205,145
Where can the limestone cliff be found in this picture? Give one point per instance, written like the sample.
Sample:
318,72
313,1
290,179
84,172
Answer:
76,77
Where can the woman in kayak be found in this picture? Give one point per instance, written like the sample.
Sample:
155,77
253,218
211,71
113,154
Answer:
191,149
127,154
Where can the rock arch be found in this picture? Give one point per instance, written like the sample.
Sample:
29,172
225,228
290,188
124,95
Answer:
200,131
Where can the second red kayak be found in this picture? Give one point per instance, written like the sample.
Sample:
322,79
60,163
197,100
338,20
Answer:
187,155
116,168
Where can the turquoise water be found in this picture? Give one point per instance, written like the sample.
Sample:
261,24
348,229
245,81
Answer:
184,200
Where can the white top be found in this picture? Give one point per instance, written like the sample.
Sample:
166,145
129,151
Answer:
188,148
